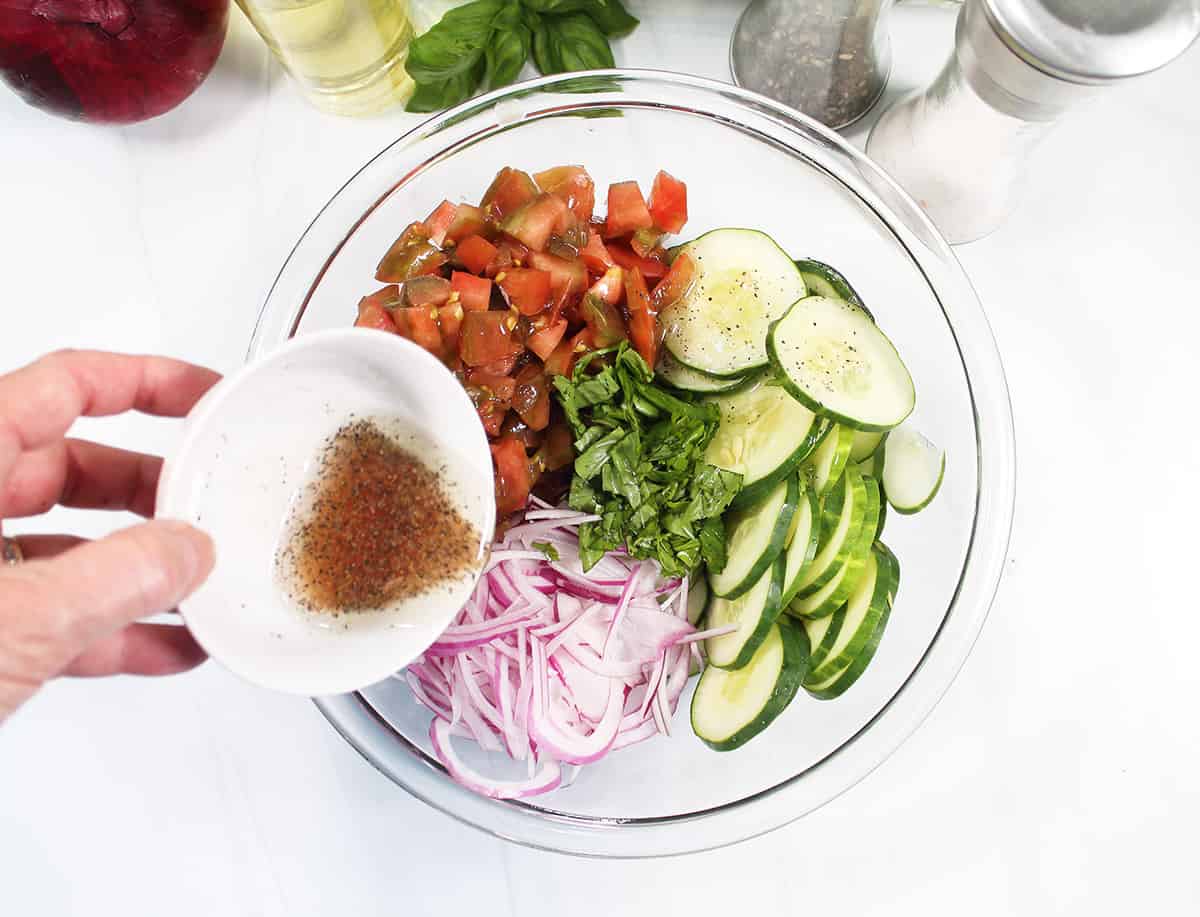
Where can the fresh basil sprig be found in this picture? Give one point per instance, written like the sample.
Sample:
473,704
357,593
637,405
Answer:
486,43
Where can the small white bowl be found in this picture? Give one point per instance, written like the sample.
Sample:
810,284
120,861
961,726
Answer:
248,448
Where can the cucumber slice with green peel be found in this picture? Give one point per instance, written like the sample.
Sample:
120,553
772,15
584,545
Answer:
830,507
866,444
764,435
883,511
697,598
825,466
857,635
822,632
913,468
837,684
835,360
754,536
753,612
834,594
802,544
730,708
842,540
743,281
822,280
685,379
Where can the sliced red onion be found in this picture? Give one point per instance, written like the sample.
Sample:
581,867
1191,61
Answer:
547,777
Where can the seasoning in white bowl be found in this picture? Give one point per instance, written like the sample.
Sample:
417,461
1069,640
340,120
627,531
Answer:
377,524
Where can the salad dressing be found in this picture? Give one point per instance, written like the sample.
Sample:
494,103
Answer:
375,526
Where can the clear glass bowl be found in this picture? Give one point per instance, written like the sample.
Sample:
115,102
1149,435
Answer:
748,162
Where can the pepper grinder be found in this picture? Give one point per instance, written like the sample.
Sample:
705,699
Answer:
828,58
959,147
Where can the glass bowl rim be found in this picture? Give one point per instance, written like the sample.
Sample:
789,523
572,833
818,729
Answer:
357,721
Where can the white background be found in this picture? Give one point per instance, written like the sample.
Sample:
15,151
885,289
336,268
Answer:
1057,775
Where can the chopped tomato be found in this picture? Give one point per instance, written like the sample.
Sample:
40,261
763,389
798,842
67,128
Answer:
645,241
529,437
643,322
488,336
411,255
439,221
627,211
429,290
595,255
677,282
544,340
498,387
373,315
509,190
668,203
573,186
535,222
475,293
528,289
651,268
531,397
513,477
604,320
610,286
566,274
468,221
501,367
389,298
449,323
557,450
509,253
562,361
420,325
475,253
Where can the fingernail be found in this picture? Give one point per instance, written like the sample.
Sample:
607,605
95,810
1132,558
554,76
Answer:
193,547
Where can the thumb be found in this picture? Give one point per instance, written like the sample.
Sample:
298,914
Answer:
60,606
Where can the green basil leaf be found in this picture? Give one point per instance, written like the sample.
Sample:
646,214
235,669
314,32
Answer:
546,56
581,44
612,17
712,544
434,96
546,548
508,48
455,44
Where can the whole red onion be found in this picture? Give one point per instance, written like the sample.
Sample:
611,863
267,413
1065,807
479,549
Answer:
114,61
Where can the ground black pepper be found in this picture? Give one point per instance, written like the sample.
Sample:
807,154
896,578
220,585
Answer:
376,527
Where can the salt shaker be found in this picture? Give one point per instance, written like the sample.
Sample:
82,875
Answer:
959,147
828,58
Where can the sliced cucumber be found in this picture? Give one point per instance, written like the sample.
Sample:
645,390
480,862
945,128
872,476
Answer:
857,634
753,612
697,598
754,536
802,544
865,445
743,282
842,539
823,280
833,595
832,357
825,466
913,468
685,379
764,435
821,634
730,708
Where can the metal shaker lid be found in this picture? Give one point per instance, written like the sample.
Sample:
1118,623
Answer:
1096,41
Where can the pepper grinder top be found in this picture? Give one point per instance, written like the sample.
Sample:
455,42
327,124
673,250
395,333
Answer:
828,58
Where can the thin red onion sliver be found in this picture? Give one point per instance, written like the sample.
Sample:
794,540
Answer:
553,665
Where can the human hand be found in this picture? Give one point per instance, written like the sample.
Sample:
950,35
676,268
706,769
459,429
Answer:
70,607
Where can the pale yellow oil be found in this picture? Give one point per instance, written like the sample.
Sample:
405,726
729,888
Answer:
347,55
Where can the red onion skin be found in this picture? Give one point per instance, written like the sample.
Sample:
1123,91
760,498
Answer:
109,61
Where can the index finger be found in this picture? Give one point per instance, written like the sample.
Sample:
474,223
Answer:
39,402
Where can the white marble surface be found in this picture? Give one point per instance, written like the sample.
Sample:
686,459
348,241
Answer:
1056,776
